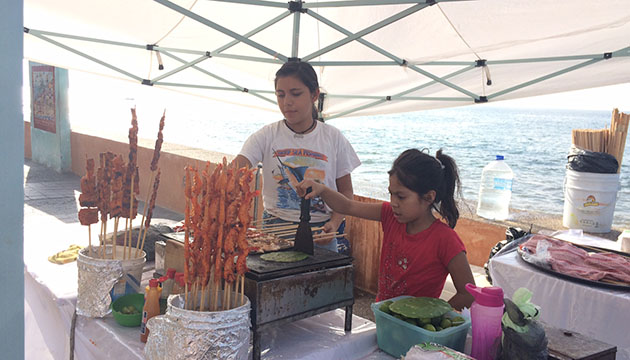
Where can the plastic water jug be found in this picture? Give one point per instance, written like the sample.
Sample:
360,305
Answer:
495,190
485,314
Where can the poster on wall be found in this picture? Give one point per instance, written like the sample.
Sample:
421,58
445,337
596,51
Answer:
43,98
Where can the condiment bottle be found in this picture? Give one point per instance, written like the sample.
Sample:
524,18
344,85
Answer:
151,307
167,286
486,313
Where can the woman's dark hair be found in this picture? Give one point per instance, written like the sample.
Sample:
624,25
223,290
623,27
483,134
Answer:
421,172
303,71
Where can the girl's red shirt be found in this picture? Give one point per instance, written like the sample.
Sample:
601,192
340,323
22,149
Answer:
415,264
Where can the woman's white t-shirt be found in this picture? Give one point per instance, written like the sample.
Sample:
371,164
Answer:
323,155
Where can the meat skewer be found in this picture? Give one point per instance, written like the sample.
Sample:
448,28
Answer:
151,185
217,217
132,182
88,199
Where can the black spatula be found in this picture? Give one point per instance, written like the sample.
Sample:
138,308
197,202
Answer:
304,234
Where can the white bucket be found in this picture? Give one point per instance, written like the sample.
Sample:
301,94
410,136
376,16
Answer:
589,201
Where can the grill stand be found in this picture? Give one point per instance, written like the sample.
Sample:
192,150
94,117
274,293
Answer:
297,296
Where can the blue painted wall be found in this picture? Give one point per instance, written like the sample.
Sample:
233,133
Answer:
11,182
48,148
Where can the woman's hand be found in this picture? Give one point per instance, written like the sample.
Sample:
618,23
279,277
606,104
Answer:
316,188
332,225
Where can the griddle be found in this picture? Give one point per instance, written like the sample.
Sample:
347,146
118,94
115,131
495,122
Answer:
260,269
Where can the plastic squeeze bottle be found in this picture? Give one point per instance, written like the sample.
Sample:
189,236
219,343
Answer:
486,313
151,307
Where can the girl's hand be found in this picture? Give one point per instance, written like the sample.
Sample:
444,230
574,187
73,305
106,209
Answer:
316,188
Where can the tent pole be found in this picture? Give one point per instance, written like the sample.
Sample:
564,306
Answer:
543,78
221,29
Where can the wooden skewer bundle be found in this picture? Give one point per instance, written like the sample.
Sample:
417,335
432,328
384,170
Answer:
217,217
113,193
611,141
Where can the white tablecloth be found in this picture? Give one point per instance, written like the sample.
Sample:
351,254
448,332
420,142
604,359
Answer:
599,313
318,337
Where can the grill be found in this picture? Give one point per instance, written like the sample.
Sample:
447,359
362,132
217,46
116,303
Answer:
285,292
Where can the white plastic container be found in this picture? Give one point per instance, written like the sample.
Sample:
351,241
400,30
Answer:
589,201
495,190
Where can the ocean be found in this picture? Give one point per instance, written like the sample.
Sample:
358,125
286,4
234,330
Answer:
534,142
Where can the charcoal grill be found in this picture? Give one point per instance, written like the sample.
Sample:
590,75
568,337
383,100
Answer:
285,292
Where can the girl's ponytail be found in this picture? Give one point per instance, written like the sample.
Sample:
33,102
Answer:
451,184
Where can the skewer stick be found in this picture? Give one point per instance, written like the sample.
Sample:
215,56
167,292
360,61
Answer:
242,289
263,220
227,303
186,295
126,234
277,225
144,212
90,239
131,204
279,228
114,246
203,298
288,232
195,292
141,247
328,236
215,297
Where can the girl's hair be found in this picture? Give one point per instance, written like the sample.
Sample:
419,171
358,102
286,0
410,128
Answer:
421,172
305,73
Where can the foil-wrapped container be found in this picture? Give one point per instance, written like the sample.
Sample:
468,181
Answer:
188,334
97,277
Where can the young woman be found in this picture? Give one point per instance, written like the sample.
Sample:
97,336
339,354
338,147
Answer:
419,250
297,148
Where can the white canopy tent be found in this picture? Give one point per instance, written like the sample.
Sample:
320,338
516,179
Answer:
372,56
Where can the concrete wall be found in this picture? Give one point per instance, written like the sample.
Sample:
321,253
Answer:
53,148
173,160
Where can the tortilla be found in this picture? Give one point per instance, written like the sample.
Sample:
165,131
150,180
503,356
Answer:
284,256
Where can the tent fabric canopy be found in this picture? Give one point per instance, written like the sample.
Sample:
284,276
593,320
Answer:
372,56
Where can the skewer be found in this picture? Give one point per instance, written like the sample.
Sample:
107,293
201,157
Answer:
186,295
288,232
144,211
265,219
328,236
131,204
114,246
229,294
277,225
242,289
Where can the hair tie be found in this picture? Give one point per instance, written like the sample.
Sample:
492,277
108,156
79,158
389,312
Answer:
439,162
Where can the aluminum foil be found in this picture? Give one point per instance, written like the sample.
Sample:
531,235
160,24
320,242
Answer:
96,279
187,334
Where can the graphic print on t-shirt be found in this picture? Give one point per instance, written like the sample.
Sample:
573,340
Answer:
295,165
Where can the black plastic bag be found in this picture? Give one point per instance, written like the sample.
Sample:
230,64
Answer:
511,233
591,161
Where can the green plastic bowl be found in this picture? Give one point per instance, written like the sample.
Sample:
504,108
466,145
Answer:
130,320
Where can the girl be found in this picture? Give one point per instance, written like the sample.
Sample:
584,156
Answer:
300,147
419,251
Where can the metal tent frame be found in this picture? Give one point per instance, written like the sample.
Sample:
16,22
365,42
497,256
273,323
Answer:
297,9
